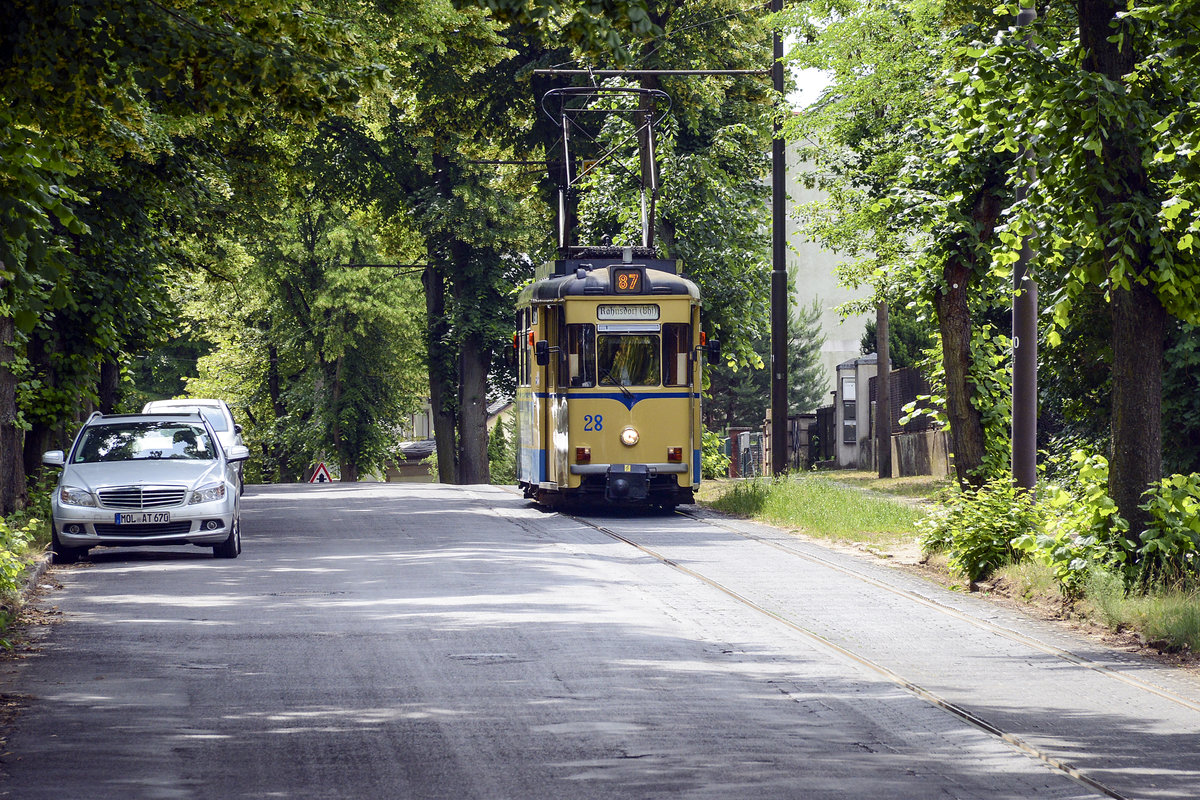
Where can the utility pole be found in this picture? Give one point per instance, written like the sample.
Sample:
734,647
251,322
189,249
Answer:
883,393
1025,338
779,282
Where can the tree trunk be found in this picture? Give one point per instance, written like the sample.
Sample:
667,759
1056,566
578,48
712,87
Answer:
441,383
474,358
12,468
1139,320
966,424
37,438
110,382
277,450
347,468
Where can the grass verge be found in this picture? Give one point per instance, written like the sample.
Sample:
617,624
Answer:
821,507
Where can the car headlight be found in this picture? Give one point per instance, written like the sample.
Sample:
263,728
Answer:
71,496
207,494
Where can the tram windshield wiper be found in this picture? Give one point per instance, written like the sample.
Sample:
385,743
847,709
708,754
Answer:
605,374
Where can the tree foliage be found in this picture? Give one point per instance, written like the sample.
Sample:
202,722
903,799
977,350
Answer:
915,223
1101,86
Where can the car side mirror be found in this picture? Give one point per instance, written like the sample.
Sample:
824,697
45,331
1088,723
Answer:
237,452
237,429
541,351
54,458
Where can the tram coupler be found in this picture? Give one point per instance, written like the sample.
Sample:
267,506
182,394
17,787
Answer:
627,483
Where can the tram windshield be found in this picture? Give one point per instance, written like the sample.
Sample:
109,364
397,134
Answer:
628,359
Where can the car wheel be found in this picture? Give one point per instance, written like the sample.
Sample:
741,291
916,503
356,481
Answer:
232,546
62,553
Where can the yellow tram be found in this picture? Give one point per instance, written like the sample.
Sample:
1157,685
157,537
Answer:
609,378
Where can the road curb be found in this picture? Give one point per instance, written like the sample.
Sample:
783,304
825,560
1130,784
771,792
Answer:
36,571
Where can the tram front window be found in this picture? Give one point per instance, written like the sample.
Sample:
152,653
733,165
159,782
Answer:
628,360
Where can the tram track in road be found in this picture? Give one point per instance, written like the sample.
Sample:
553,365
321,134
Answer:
982,624
909,686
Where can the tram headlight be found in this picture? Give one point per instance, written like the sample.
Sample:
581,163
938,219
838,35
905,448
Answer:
629,437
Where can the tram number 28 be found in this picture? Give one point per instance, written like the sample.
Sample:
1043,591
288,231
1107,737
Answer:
593,422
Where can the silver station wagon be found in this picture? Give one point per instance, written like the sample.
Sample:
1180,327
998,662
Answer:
146,479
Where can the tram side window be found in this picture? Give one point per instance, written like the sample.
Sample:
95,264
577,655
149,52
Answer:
677,352
523,347
628,359
580,352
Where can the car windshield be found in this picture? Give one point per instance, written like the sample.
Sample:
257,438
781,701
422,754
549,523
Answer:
211,413
133,441
214,417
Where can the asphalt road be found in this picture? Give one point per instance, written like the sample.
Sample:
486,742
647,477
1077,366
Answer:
419,641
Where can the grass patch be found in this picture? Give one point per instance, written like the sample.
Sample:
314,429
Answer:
1030,581
917,487
1168,620
818,506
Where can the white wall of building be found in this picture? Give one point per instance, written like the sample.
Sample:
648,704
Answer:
816,279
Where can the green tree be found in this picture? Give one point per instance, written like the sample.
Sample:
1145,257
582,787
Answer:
713,155
740,395
916,225
1100,92
909,339
437,163
34,207
130,126
320,354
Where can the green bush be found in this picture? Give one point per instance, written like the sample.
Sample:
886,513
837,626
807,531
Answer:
502,452
976,527
1167,555
713,461
1080,525
14,540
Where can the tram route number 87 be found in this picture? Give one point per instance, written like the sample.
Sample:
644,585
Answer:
593,422
628,281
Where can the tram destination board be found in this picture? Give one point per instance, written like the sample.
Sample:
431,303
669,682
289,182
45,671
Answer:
627,311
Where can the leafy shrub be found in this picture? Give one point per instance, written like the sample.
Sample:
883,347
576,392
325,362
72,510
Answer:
976,527
502,452
1080,525
1168,552
713,461
14,539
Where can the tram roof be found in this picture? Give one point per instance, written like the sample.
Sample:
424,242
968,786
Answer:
592,277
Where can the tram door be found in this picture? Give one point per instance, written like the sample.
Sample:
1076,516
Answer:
531,388
557,466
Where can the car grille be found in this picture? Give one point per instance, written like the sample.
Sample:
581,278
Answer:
142,496
109,529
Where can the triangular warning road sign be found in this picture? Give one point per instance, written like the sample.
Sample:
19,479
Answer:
321,474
